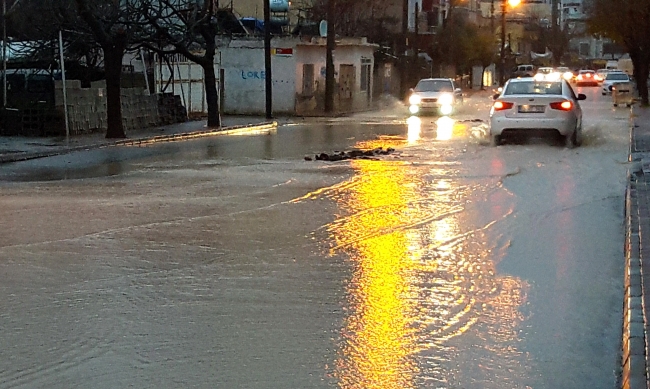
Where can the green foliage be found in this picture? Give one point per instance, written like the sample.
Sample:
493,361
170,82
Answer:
463,44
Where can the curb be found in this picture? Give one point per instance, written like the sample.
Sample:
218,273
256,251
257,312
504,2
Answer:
265,127
633,373
633,357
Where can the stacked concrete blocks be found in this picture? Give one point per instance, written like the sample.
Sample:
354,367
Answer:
87,111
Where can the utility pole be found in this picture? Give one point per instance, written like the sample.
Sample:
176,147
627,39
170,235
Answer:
401,48
329,60
414,44
267,59
4,53
554,29
492,17
502,52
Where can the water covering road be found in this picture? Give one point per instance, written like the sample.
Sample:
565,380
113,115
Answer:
232,262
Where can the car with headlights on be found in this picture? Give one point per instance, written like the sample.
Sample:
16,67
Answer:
602,73
565,73
435,95
612,78
538,107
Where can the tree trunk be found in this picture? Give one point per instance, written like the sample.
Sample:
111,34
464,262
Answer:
640,73
211,92
113,66
641,76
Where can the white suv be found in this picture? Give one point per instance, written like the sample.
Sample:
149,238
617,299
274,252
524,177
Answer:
437,95
614,77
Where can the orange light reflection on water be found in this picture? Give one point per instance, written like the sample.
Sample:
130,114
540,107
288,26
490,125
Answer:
378,353
415,284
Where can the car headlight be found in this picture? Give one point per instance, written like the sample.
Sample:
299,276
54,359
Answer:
415,99
567,76
446,99
446,109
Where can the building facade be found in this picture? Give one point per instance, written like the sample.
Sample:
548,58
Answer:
297,72
298,76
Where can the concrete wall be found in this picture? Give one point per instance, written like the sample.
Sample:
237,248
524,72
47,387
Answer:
184,78
348,52
87,107
244,82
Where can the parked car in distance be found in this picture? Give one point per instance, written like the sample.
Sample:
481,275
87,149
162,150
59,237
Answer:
435,95
613,77
524,71
587,77
527,106
602,73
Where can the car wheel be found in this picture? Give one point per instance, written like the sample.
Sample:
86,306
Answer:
578,136
571,141
495,140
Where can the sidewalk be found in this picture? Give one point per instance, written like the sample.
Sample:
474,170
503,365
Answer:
634,360
19,148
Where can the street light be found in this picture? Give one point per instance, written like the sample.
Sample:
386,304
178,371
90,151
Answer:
502,52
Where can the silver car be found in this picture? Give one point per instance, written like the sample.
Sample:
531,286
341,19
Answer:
530,106
437,95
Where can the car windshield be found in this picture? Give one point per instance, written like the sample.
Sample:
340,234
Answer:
617,76
533,88
434,86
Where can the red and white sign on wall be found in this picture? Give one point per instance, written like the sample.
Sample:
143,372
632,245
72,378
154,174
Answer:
283,51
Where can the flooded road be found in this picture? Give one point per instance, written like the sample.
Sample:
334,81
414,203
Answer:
233,262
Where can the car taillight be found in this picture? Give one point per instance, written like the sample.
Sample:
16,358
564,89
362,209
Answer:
502,105
565,105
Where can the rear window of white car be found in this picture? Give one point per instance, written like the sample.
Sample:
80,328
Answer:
434,86
533,88
617,76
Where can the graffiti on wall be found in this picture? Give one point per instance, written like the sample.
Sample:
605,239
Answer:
253,74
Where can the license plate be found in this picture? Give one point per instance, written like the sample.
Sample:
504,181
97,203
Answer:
531,108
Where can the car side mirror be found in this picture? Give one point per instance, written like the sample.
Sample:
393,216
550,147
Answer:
582,96
495,96
458,90
411,90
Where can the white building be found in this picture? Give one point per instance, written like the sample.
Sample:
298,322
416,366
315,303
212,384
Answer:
298,76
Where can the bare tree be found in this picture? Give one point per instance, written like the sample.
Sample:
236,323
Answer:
372,19
101,31
108,22
189,28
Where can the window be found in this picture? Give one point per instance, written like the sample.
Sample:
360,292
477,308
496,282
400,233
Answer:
534,88
308,79
434,86
617,76
365,74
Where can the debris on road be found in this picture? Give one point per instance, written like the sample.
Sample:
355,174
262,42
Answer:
352,154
